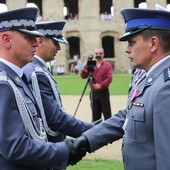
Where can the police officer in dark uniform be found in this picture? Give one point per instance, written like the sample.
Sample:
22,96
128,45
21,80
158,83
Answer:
144,124
23,139
59,123
47,87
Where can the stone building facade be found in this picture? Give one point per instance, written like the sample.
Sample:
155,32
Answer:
88,30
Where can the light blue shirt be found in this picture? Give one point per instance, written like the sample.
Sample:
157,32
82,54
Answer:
14,67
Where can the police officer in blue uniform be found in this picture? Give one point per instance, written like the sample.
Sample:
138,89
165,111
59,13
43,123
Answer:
39,76
144,125
59,123
23,137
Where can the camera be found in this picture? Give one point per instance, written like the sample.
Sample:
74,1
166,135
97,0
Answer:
91,64
98,57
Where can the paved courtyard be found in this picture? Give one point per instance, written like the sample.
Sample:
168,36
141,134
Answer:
111,151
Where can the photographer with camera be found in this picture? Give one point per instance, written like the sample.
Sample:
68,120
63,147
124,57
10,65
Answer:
99,73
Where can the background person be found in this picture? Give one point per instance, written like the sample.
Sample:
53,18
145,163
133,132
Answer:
60,70
102,77
144,124
72,69
79,65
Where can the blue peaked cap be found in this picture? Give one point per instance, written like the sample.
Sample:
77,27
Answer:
137,20
22,20
52,29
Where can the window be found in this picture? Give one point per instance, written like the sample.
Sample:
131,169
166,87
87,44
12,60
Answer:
106,10
70,10
108,46
74,47
35,3
3,1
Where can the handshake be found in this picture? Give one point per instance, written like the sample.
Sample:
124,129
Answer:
77,149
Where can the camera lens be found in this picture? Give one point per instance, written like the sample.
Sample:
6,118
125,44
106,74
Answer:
98,57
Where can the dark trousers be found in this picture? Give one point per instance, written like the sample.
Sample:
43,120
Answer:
100,103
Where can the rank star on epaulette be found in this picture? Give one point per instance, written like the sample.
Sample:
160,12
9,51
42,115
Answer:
167,74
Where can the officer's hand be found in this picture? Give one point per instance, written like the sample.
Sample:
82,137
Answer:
75,154
81,143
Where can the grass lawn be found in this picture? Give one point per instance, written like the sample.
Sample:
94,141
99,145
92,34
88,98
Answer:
98,164
74,84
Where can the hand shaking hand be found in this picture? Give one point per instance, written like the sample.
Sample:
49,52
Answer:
77,149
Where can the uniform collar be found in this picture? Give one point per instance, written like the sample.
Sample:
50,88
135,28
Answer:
14,67
40,59
157,64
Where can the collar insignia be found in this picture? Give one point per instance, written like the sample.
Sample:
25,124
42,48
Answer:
167,74
18,79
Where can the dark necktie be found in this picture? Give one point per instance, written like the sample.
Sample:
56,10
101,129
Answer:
24,78
26,84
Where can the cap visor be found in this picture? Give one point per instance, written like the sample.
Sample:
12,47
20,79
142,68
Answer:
129,34
60,40
32,32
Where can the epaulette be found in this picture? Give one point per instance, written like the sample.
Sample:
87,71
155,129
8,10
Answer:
38,69
166,74
3,76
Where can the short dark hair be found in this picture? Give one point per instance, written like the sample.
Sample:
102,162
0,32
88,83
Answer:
163,36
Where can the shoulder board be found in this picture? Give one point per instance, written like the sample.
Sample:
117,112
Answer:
166,74
3,76
39,69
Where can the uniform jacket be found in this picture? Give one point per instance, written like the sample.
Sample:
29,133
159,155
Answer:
17,150
147,135
57,118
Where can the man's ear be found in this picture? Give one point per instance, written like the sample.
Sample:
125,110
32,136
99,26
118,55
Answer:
154,43
6,39
40,41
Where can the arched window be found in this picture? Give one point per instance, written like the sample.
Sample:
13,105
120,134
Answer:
108,46
106,10
70,10
74,47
